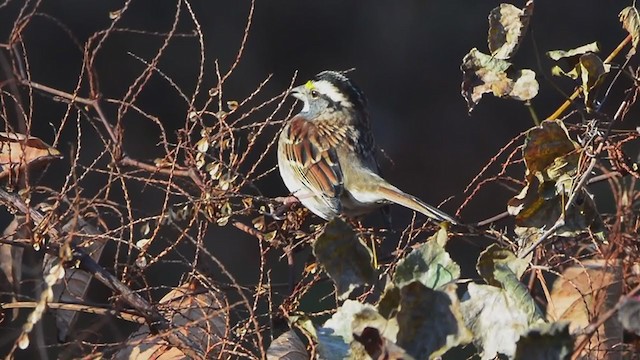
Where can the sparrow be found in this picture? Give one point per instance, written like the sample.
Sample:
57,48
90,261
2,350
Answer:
327,154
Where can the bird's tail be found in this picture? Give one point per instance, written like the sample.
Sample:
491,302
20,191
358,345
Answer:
399,197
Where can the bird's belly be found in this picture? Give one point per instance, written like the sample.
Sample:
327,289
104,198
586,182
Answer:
356,204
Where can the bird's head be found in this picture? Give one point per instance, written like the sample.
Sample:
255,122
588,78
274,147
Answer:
329,91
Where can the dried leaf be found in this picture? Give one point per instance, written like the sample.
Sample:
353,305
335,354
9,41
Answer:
11,260
287,346
629,315
428,263
200,316
501,268
581,294
507,27
389,301
572,53
591,71
496,319
494,261
335,337
630,20
74,288
483,73
430,321
344,257
551,158
18,151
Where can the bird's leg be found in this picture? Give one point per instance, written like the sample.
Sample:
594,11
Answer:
286,203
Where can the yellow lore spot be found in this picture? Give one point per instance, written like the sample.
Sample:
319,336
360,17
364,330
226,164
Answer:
309,85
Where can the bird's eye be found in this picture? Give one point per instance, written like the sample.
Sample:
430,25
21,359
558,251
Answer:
314,94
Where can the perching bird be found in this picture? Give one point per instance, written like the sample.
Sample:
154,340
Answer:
326,154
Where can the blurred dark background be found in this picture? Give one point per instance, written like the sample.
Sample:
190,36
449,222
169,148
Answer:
407,57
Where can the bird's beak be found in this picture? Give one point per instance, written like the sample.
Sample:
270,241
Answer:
297,92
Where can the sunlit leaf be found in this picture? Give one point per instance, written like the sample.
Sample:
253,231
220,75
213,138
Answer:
483,74
199,315
564,54
630,20
552,158
428,263
344,257
18,151
501,268
507,27
496,319
582,293
430,321
545,341
335,337
494,262
544,144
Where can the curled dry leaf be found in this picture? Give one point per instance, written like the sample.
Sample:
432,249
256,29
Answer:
584,292
507,27
572,54
551,159
586,66
201,316
18,151
482,73
344,257
630,20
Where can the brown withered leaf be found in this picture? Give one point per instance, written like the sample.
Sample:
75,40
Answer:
584,292
507,27
430,321
546,143
74,287
590,70
630,20
344,257
200,315
551,158
18,151
482,73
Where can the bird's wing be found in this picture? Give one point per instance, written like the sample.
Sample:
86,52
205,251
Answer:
311,151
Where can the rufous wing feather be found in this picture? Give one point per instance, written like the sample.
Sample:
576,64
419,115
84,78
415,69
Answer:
314,158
